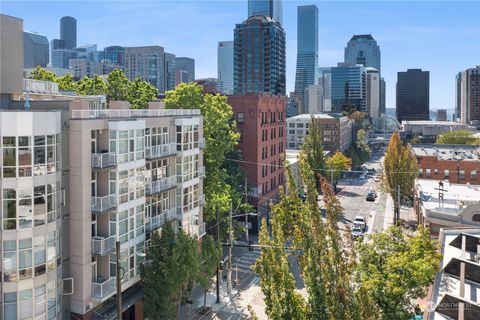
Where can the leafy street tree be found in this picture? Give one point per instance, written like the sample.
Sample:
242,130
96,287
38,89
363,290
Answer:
313,150
395,269
91,86
335,166
359,151
40,73
400,170
173,265
458,137
140,92
415,139
66,83
117,86
209,257
220,135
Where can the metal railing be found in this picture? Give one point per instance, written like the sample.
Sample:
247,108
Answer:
102,204
38,86
153,187
201,172
101,245
101,290
132,113
159,151
156,221
171,214
201,143
104,160
202,200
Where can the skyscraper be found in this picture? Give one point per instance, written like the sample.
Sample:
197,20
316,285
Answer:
470,96
169,70
68,31
348,88
307,52
136,60
363,49
225,66
186,64
413,95
373,93
36,50
259,56
267,8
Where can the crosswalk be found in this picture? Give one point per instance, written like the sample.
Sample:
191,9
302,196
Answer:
245,260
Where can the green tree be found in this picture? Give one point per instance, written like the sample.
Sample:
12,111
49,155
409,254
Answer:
313,150
362,146
117,86
219,131
91,86
40,73
400,170
140,92
395,269
458,137
173,264
336,164
209,259
66,83
415,139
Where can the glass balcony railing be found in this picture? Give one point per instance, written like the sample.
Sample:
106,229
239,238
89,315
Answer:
160,151
201,143
102,246
153,187
201,230
201,172
104,160
202,200
171,214
156,222
102,288
103,204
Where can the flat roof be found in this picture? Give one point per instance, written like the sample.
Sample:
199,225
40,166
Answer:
446,289
448,151
453,196
315,115
433,123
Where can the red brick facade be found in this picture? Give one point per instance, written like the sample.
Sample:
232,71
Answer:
458,171
261,120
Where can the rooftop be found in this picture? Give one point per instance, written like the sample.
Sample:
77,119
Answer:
455,196
315,115
362,36
448,151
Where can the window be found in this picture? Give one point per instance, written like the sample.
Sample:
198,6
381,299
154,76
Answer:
462,174
473,175
447,173
427,172
240,117
420,172
476,217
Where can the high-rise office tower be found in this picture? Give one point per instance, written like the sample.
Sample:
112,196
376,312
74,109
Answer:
373,93
68,31
186,64
307,52
458,86
363,49
225,66
383,88
325,82
266,8
36,50
470,96
413,95
169,69
114,54
259,56
136,60
348,88
442,115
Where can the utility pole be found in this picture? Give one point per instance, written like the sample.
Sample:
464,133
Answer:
221,257
119,281
246,213
230,239
398,206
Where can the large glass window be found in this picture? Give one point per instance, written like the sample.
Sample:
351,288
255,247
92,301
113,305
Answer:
187,137
187,168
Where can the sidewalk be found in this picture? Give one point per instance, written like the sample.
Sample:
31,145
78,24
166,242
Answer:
389,213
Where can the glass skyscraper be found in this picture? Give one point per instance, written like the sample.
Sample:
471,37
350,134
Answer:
68,31
225,66
267,8
348,88
307,52
259,56
413,95
363,49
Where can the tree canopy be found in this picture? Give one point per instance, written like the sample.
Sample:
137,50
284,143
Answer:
336,164
312,148
458,137
40,73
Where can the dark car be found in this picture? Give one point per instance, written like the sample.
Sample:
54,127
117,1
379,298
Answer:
371,196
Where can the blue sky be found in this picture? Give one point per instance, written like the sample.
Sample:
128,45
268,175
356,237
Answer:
440,36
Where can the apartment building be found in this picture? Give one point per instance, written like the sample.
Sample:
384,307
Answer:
75,179
455,163
336,131
261,122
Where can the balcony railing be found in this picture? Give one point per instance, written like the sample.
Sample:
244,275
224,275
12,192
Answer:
201,230
153,187
102,289
38,86
132,113
104,160
201,172
103,204
201,143
202,200
171,214
101,245
156,222
160,151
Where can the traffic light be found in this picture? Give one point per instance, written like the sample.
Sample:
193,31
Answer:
250,248
220,265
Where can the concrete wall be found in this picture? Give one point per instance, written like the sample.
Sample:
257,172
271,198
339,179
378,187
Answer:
11,54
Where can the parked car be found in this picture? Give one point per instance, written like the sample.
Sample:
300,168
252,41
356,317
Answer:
360,222
371,196
357,232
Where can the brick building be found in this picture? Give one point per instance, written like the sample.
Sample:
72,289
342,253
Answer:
455,163
261,121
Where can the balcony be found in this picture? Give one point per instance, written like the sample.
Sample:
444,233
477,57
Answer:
202,200
153,187
102,288
156,222
102,246
104,204
104,160
201,143
201,172
160,151
171,214
201,230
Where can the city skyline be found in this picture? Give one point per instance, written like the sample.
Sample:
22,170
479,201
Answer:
442,33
